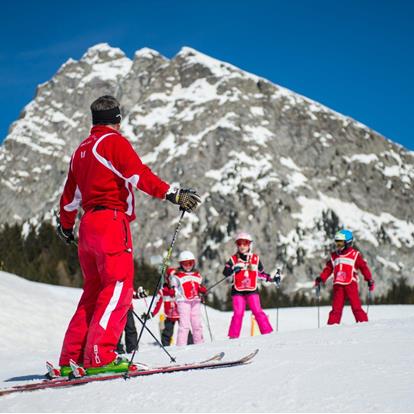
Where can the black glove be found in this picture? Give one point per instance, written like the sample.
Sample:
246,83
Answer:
187,199
318,281
141,293
65,234
144,316
237,269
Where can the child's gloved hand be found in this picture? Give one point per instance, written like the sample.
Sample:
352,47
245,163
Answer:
141,293
371,285
202,289
237,269
144,316
318,281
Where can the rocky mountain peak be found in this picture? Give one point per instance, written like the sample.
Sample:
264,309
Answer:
266,160
101,53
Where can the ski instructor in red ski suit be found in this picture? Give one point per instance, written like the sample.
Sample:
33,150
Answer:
104,170
344,263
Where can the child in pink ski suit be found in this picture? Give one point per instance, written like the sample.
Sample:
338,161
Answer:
188,290
246,268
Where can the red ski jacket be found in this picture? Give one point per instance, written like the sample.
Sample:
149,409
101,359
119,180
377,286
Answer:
166,296
103,171
333,264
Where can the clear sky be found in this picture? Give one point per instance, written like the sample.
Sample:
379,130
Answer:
355,56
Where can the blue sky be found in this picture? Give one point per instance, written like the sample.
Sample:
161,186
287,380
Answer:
356,57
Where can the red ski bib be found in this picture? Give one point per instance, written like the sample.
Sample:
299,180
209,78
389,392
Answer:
344,267
190,282
246,279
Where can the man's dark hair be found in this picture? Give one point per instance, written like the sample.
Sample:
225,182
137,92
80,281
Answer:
104,103
105,111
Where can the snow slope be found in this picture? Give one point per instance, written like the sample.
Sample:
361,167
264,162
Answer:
347,368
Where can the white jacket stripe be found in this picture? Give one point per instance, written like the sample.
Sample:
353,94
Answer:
129,181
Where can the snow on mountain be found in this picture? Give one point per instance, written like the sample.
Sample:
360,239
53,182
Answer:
347,368
265,159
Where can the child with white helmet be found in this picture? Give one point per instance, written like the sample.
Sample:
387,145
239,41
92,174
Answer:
246,267
187,282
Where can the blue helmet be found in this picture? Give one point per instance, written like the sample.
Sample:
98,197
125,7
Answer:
346,236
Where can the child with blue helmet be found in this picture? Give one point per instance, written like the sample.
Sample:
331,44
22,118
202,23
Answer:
344,263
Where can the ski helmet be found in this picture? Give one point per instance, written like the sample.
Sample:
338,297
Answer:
185,256
346,236
243,236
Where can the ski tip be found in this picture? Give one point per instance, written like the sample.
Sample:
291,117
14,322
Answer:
250,356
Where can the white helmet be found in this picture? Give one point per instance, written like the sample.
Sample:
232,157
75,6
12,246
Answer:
185,255
244,236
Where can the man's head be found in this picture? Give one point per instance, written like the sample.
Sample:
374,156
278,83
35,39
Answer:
105,111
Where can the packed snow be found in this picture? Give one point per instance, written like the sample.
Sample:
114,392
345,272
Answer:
347,368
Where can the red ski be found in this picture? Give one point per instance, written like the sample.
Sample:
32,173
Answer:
211,363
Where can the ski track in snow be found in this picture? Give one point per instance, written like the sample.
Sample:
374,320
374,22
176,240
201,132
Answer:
347,368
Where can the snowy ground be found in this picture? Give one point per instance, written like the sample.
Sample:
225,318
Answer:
347,368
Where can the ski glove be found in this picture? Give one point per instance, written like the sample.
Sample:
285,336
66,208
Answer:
144,316
318,281
65,234
371,285
141,293
237,269
187,199
202,289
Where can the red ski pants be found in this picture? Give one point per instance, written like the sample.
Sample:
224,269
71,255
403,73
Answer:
105,255
340,292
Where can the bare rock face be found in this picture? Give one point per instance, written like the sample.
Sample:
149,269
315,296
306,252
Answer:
266,160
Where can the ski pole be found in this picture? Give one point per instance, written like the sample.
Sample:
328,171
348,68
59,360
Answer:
156,339
369,301
277,281
318,296
208,322
215,284
277,316
160,281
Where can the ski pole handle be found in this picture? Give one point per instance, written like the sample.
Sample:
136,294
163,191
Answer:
277,277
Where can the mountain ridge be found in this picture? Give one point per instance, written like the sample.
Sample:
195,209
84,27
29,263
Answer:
265,159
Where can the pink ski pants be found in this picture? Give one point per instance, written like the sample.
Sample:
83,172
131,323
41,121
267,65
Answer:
190,317
239,306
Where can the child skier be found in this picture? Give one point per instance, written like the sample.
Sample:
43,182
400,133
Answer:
246,267
166,295
186,282
344,263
